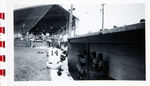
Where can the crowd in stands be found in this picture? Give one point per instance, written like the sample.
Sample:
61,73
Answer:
32,37
29,37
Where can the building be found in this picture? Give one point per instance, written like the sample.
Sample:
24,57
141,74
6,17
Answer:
52,19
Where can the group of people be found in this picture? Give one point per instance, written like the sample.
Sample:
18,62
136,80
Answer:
42,37
91,66
30,38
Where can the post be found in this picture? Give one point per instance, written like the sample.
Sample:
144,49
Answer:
70,20
75,28
103,17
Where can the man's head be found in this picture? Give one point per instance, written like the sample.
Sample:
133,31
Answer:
55,45
93,54
100,56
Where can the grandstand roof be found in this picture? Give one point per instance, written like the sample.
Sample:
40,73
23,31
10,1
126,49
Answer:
43,18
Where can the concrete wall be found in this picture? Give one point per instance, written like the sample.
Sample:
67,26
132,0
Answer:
21,43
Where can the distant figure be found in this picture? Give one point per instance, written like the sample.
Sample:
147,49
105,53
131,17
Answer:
101,62
99,70
48,39
82,67
102,67
86,57
94,59
32,39
93,64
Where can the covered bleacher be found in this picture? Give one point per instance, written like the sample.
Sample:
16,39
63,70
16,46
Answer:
40,20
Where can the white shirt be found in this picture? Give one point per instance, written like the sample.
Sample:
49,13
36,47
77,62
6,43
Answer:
54,60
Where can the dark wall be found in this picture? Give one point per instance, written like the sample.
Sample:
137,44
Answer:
74,50
126,62
124,51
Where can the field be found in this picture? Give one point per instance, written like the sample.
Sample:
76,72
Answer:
30,64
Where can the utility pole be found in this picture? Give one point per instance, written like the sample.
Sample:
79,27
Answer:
102,16
70,20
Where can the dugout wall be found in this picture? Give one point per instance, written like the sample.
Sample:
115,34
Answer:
123,48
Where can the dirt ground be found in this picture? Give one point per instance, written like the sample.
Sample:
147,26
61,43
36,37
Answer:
30,64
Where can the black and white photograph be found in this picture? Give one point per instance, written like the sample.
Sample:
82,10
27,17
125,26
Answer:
78,42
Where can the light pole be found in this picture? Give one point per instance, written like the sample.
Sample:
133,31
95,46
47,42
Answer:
70,20
102,16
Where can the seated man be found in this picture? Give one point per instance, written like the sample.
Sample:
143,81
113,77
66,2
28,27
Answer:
82,67
99,71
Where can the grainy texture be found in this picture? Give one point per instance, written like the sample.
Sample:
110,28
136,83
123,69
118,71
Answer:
124,51
29,65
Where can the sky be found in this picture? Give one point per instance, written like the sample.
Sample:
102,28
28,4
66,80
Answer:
90,16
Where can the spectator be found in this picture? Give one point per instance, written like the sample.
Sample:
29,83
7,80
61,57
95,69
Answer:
94,60
82,70
99,70
102,67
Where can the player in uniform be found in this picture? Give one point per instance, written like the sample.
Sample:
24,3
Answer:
54,53
57,63
54,61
